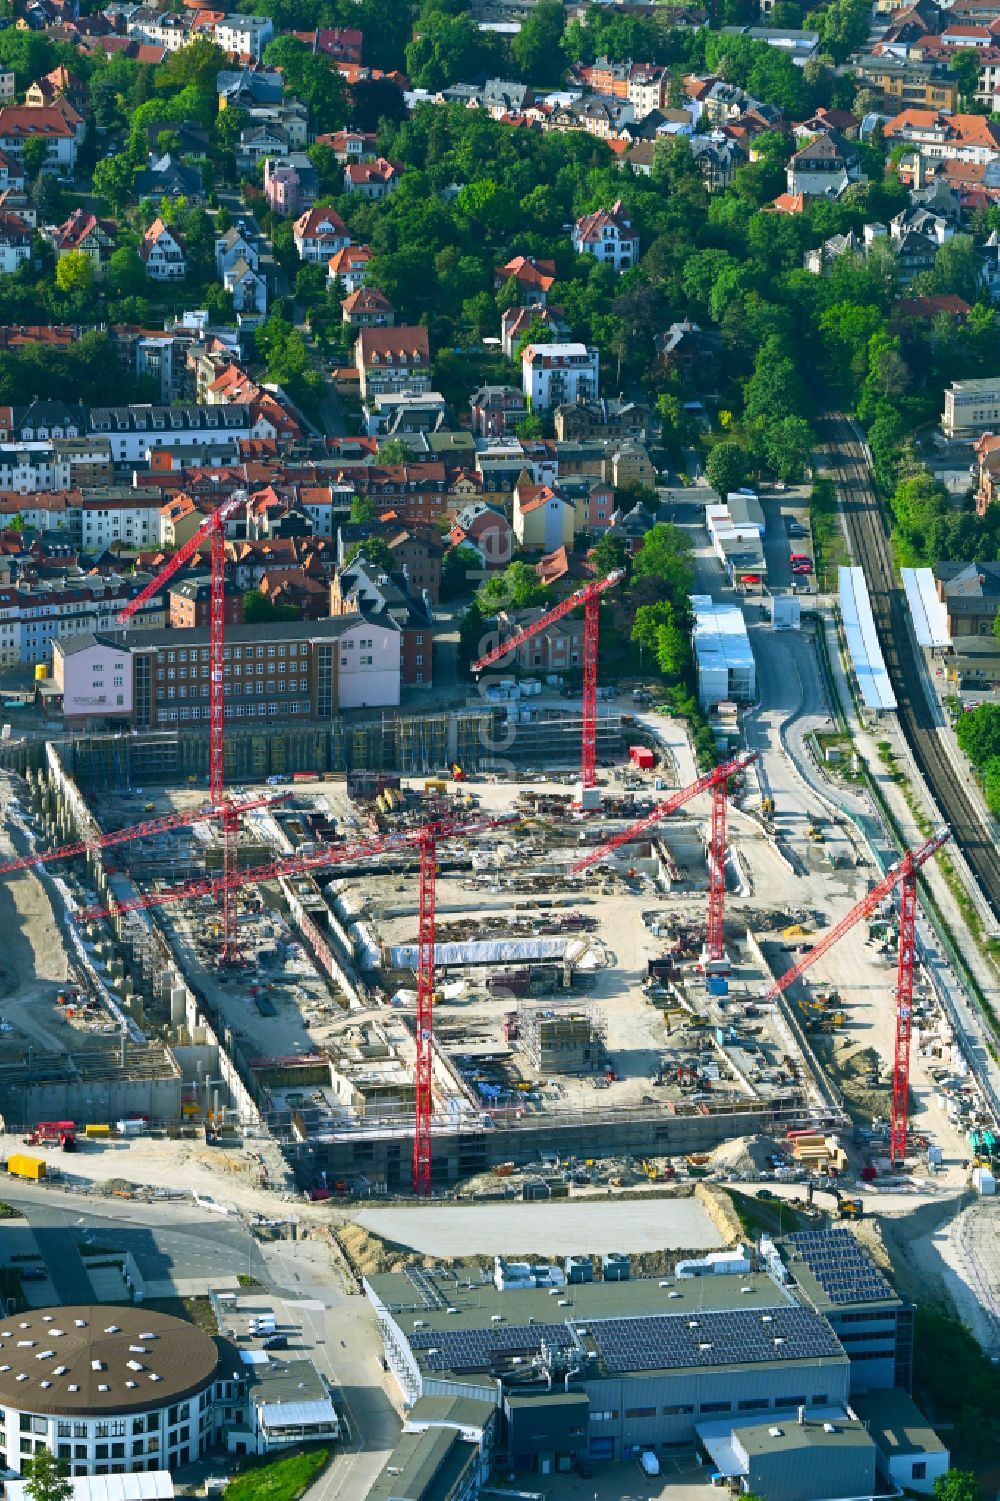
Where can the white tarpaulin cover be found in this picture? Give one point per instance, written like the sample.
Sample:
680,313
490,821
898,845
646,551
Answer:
491,951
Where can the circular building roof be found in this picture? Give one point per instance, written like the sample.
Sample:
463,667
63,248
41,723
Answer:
88,1360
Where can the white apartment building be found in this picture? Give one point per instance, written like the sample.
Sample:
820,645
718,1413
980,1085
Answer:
245,35
29,467
971,407
100,522
136,431
553,374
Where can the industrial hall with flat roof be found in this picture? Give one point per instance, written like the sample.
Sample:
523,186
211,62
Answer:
768,1359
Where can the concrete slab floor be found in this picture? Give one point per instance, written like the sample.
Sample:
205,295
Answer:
558,1228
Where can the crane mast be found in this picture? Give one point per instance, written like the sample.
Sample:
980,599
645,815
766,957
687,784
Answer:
589,597
904,876
213,531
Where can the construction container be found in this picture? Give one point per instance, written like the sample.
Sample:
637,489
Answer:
97,1130
20,1165
641,756
983,1181
41,672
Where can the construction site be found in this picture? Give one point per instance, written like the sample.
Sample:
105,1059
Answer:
484,980
581,1019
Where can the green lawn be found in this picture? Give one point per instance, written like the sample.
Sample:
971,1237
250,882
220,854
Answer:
829,546
277,1479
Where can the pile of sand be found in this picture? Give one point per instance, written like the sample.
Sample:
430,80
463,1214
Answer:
745,1154
849,1065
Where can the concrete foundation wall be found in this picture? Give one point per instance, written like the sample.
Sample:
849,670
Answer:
102,1101
458,1155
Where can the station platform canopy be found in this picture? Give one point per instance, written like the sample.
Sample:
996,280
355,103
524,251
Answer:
863,643
930,616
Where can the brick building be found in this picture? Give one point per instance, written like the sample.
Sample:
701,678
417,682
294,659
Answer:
304,670
190,603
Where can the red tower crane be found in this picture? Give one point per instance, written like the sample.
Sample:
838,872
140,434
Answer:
424,839
716,782
589,597
135,831
904,875
213,531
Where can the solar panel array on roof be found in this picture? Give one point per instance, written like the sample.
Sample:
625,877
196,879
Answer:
843,1269
734,1337
477,1349
660,1342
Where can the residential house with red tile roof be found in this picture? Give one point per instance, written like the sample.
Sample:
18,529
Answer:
15,241
20,123
162,252
391,360
534,277
368,308
349,266
372,180
85,232
319,233
609,236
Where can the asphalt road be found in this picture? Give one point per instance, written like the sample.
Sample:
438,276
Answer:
175,1241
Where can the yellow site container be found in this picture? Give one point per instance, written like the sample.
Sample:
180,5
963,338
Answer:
20,1165
436,784
41,672
97,1130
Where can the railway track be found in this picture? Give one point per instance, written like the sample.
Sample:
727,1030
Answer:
869,538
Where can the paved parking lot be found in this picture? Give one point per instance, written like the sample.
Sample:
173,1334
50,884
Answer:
681,1479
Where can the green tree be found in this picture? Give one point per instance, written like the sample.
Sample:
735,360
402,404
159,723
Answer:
726,467
489,207
259,610
47,1477
608,554
787,445
126,273
957,1485
964,63
374,550
395,451
195,65
658,629
363,510
35,155
530,428
311,79
461,571
958,268
114,178
667,554
516,588
450,48
536,47
978,733
74,272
